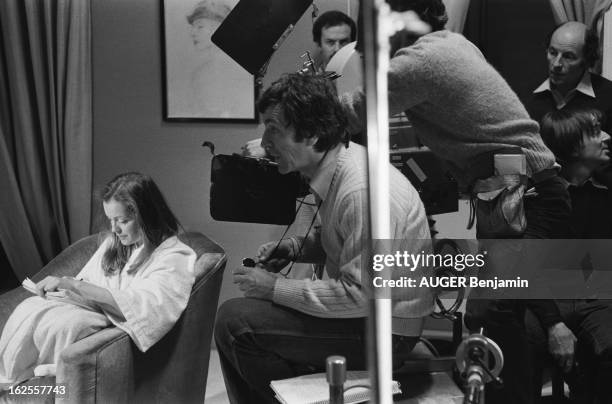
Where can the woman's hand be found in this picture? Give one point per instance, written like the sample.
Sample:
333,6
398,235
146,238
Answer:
54,283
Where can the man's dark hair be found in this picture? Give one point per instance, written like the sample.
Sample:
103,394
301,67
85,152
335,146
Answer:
591,44
563,130
433,12
332,19
310,104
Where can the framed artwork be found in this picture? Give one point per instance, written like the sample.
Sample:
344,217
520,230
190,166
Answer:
202,83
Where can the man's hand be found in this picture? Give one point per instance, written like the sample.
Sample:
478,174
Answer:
253,148
274,260
255,282
561,345
53,283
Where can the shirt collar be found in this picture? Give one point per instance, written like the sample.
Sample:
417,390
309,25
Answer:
323,176
593,182
543,87
584,86
596,183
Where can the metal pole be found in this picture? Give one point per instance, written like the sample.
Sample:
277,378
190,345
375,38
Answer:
375,77
379,23
336,376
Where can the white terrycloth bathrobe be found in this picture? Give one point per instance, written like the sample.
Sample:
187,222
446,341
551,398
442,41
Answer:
151,298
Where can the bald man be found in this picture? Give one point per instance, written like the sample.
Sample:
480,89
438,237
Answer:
572,50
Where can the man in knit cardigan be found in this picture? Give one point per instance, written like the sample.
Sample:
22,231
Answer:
464,111
287,327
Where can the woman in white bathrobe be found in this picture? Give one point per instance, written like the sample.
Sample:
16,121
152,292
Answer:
139,280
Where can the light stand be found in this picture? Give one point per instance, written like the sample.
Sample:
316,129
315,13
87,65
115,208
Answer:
479,360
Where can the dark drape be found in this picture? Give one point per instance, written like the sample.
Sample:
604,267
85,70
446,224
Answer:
45,128
512,35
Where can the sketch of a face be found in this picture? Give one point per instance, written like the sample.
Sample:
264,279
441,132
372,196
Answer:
201,31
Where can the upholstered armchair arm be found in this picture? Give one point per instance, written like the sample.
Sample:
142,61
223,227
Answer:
67,263
98,368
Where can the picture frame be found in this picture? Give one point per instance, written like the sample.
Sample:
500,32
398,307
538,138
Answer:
200,82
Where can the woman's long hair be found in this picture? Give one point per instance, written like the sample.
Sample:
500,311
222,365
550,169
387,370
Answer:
143,199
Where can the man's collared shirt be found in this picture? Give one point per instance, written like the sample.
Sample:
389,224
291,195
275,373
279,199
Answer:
323,176
584,86
594,183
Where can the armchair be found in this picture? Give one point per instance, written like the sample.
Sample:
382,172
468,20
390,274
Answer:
106,367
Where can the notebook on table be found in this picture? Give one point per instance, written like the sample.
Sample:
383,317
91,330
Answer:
314,389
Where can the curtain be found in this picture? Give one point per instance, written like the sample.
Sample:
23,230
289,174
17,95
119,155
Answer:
457,13
45,128
586,11
512,35
590,12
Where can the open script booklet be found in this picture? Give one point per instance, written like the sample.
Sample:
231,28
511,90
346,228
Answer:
314,389
61,295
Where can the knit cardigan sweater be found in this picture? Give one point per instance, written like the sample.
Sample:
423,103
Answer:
461,108
459,104
340,183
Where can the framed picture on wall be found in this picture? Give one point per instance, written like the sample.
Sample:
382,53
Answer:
202,83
